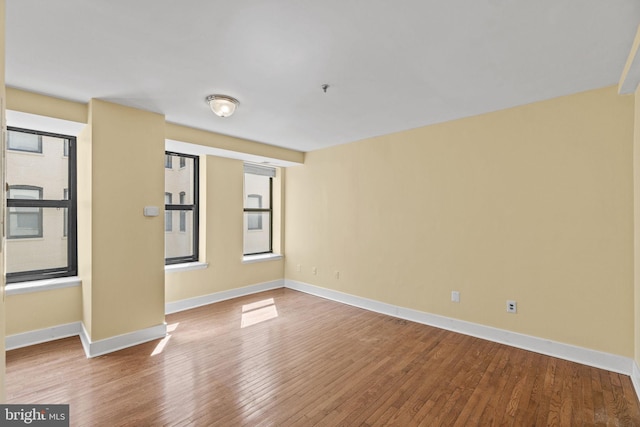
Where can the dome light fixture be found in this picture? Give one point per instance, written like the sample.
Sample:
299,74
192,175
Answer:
222,105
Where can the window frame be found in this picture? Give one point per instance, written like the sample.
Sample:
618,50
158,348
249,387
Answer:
268,210
71,269
194,207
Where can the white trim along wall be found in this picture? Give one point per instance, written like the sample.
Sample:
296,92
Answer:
598,359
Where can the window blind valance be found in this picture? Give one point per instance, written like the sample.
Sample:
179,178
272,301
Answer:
259,170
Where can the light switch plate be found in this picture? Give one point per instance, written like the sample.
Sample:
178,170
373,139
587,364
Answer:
151,211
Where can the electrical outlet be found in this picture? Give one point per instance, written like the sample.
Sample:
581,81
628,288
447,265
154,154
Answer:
512,307
314,270
455,296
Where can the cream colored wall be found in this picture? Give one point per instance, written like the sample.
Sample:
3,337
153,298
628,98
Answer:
533,203
222,193
221,247
636,216
214,140
43,105
127,249
3,126
33,311
84,217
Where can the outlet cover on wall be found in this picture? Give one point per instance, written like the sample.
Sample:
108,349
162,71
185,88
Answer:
512,306
455,296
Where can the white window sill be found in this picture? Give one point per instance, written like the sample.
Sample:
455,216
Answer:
41,285
187,266
249,259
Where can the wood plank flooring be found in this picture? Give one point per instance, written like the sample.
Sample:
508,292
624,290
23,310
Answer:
284,358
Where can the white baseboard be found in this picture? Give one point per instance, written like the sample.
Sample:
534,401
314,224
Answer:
635,377
42,335
108,345
595,358
111,344
189,303
585,356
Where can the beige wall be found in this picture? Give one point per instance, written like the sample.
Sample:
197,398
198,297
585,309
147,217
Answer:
40,310
105,229
214,140
221,192
2,200
533,203
636,217
43,105
84,157
127,249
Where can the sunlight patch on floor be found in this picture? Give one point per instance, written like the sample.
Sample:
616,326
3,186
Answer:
163,342
258,312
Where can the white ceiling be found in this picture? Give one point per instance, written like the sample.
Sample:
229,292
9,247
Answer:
391,65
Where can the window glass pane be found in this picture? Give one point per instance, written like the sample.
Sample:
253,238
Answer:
179,243
48,251
256,190
18,192
168,217
24,222
24,141
37,236
65,220
180,228
183,220
257,240
178,181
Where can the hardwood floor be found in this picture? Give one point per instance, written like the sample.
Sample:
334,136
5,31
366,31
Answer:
284,358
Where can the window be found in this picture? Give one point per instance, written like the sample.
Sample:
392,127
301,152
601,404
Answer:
168,161
181,245
183,214
24,141
254,220
168,218
65,219
24,222
41,206
258,209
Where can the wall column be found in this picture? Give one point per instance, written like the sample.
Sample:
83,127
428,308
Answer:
120,251
3,127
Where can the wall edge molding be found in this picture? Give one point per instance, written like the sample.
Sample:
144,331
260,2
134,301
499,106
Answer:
189,303
635,377
585,356
119,342
40,336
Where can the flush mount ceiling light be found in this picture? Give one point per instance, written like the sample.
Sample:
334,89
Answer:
222,105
